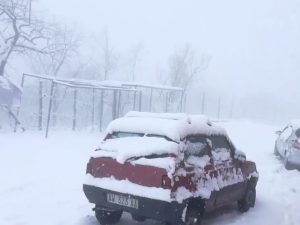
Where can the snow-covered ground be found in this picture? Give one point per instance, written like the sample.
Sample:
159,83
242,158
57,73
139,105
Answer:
41,180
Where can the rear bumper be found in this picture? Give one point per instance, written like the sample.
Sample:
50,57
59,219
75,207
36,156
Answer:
294,160
149,208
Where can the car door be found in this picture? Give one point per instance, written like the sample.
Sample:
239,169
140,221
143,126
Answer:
230,176
198,160
282,142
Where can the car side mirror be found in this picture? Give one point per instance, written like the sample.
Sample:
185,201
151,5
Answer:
240,155
278,132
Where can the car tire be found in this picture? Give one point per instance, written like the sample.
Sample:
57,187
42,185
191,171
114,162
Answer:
108,217
194,213
276,150
248,200
287,165
138,218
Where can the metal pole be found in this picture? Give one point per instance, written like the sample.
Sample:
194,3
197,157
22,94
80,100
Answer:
119,103
93,109
134,99
40,121
50,108
140,101
18,109
166,103
114,105
101,110
181,101
74,110
150,100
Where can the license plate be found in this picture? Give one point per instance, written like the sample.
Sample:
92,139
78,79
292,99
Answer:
123,200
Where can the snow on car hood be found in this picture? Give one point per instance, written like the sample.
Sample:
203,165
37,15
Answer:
125,148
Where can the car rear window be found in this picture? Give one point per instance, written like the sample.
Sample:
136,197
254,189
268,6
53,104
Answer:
297,132
124,134
116,135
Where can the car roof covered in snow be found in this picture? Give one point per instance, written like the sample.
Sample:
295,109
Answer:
174,126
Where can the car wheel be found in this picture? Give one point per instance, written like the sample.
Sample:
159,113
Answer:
138,218
108,217
193,220
276,151
248,200
194,214
287,165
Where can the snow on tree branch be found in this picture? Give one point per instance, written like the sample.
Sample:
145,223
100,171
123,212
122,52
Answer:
21,32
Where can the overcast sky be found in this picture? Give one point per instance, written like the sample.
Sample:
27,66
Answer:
254,45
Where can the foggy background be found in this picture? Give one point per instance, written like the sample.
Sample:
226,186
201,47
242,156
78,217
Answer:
251,48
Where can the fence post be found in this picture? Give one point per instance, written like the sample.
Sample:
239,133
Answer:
18,109
50,108
55,104
134,99
114,105
150,100
74,110
119,103
101,110
167,101
181,101
140,101
40,105
93,109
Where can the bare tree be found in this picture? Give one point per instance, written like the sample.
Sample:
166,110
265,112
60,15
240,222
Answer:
64,39
135,59
186,67
109,57
20,32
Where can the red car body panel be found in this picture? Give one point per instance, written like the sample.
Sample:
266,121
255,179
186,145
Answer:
144,175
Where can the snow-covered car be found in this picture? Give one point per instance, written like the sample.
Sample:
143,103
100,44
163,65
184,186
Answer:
287,145
167,167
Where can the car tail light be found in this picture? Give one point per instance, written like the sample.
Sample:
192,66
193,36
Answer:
296,144
166,182
89,168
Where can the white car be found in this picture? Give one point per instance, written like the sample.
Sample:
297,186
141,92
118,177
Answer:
287,145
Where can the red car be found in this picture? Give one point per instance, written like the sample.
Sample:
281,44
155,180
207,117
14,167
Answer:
168,167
